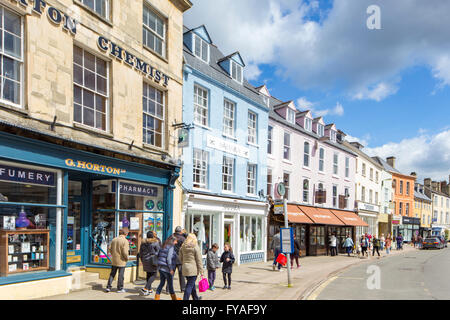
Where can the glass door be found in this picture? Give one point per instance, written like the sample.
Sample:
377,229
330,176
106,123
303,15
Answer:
228,233
74,225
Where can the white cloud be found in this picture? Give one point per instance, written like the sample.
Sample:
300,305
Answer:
304,104
252,72
338,49
427,155
364,140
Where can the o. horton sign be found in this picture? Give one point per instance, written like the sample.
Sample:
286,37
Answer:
54,15
27,176
123,55
94,167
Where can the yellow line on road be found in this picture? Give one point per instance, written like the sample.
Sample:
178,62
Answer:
317,292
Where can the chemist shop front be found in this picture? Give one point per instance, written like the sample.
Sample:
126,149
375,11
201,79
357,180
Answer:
241,223
60,208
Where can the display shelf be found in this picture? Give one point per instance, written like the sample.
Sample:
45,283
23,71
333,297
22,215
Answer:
35,238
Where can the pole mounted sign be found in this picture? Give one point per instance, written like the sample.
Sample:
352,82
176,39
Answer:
287,240
278,207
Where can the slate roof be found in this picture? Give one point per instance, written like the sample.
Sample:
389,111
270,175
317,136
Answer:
216,72
362,154
386,165
421,196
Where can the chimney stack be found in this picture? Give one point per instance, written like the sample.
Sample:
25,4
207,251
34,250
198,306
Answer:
427,183
391,161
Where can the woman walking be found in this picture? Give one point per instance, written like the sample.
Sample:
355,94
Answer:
167,262
296,253
192,266
227,260
376,246
388,243
348,244
149,256
364,245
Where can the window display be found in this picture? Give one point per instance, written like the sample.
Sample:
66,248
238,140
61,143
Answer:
205,227
250,233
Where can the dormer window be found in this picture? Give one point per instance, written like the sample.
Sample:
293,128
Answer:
290,115
320,130
333,135
308,124
236,72
201,48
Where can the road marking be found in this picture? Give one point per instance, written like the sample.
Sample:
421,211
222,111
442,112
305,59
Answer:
317,292
351,278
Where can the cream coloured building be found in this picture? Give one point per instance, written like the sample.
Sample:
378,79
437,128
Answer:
90,108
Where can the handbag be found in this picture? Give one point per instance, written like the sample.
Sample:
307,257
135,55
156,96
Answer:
203,284
281,259
154,260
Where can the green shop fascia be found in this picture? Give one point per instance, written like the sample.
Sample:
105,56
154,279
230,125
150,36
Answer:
61,207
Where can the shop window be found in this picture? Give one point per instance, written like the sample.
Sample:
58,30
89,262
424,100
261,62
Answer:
11,59
250,233
90,89
205,227
154,31
28,215
153,104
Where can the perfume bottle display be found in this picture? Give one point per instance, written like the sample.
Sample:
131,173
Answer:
22,222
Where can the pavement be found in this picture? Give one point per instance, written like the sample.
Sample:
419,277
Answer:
252,281
416,275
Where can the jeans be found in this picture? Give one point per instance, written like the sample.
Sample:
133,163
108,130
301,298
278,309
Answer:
151,276
387,250
190,288
181,278
225,278
334,251
119,279
211,277
276,253
163,277
382,246
375,249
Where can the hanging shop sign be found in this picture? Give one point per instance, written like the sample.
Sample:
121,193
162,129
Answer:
54,15
226,146
135,189
132,61
95,167
28,176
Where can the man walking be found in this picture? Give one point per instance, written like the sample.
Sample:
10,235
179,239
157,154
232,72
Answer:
376,246
275,246
119,252
399,242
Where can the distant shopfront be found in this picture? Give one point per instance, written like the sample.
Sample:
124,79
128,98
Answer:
313,227
241,223
409,228
369,214
60,207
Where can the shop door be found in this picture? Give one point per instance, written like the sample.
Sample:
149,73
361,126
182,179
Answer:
76,235
228,233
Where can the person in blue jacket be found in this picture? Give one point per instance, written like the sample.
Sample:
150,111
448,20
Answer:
167,262
348,245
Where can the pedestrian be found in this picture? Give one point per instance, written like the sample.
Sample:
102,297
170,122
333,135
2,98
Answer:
119,252
413,241
149,256
364,245
348,244
191,259
212,264
180,235
295,255
382,241
399,242
167,263
388,243
420,242
333,245
275,246
376,246
227,260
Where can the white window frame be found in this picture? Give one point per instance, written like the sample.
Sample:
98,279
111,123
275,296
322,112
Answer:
107,6
270,140
322,160
154,32
202,44
336,163
290,115
308,124
161,118
333,135
347,167
286,184
320,130
287,146
236,71
95,92
335,196
228,178
305,191
363,194
306,154
199,107
252,127
201,164
269,184
251,178
229,107
20,60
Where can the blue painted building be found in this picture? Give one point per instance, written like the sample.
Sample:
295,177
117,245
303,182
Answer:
224,171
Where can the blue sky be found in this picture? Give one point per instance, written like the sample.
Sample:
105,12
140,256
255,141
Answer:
388,88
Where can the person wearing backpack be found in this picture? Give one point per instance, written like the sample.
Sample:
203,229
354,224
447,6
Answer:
227,260
167,262
149,256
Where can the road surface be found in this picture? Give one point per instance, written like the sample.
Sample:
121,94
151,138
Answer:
418,275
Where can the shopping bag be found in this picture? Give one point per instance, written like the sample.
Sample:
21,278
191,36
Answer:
281,259
203,284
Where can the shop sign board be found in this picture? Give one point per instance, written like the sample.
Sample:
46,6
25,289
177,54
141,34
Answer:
27,176
287,240
368,207
278,207
226,146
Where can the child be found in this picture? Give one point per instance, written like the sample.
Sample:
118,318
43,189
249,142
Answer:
212,263
227,259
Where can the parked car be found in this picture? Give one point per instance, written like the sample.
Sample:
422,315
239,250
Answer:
442,238
433,242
